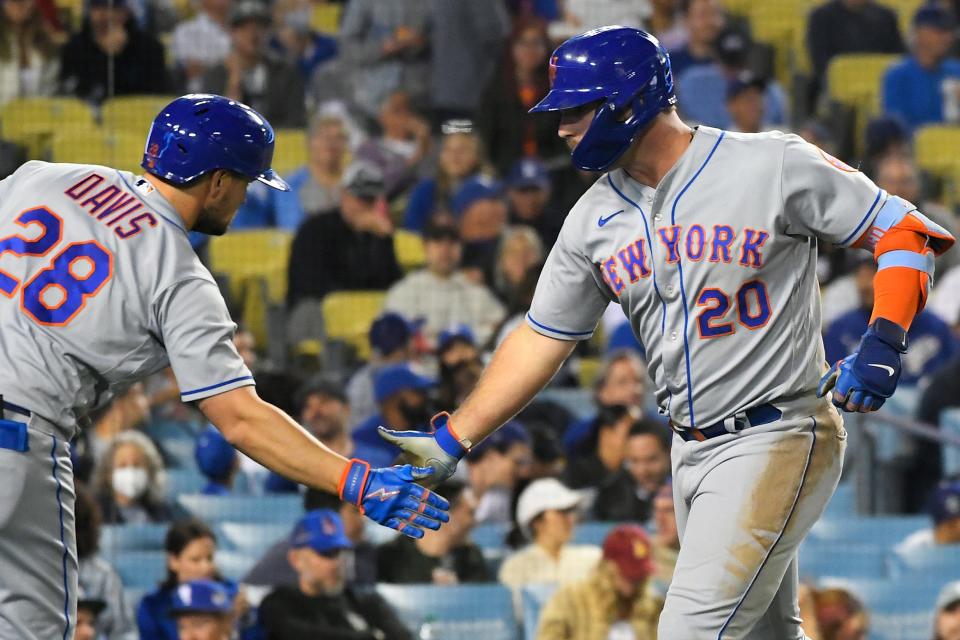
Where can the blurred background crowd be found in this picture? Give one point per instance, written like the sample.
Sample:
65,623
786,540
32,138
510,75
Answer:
425,200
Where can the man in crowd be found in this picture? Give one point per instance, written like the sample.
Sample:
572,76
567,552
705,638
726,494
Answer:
440,293
402,398
447,558
746,103
251,75
403,142
495,467
459,363
321,605
945,514
916,89
201,42
348,249
528,194
704,20
392,340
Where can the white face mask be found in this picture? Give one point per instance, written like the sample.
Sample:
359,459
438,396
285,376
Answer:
130,481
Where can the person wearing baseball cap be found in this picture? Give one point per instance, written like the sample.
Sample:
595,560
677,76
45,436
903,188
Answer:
528,196
944,508
401,396
217,460
322,605
203,610
614,601
495,467
547,516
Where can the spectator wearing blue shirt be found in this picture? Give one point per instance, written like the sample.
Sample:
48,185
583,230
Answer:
916,89
217,460
190,547
402,397
704,20
932,343
294,40
314,188
461,156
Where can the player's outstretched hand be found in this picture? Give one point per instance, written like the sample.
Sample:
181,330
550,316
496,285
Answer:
864,380
392,497
440,450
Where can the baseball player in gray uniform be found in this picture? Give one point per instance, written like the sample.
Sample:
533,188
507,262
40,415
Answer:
708,241
101,287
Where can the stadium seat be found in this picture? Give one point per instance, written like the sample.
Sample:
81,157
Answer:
777,24
490,534
215,509
32,121
454,611
184,481
941,563
843,502
950,423
899,609
885,531
592,532
160,430
139,569
290,150
325,17
244,255
533,599
252,538
936,152
115,149
178,453
116,538
235,564
347,316
133,114
851,559
855,79
578,401
409,249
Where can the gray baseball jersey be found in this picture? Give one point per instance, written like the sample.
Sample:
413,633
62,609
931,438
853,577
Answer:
103,288
715,268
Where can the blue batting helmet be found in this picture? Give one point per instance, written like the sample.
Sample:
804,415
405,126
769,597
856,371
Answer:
199,133
628,71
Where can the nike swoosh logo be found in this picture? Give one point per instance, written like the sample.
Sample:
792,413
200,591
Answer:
602,221
886,368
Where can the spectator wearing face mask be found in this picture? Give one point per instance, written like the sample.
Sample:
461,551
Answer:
460,365
130,482
402,399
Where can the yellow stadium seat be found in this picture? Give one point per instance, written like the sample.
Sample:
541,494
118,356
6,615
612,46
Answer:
132,113
737,7
251,255
855,79
290,150
326,18
778,24
905,10
937,148
32,121
409,249
587,371
347,316
92,145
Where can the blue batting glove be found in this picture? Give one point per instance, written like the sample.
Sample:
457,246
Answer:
391,497
864,380
440,450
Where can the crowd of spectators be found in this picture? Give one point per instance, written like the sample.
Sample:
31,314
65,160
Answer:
415,113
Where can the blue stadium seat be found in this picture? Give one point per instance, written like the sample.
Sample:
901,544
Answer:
592,532
179,453
885,531
140,569
214,509
843,502
115,538
457,611
491,534
163,430
903,402
234,564
939,564
579,402
846,559
252,538
132,597
950,423
890,596
534,598
181,481
378,534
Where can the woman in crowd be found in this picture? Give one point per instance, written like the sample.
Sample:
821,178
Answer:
461,156
29,62
509,131
130,481
190,547
520,249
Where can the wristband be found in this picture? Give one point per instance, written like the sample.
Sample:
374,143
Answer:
447,439
890,333
354,481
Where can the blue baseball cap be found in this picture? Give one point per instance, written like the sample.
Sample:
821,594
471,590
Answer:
202,596
460,332
390,331
510,433
528,172
945,501
215,456
931,15
321,530
395,378
473,190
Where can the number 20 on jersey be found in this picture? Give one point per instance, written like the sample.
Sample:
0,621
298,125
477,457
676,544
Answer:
57,293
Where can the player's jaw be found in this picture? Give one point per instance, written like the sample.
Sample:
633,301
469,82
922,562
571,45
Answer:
227,191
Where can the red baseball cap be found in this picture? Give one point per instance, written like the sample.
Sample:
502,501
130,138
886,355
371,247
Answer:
628,547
